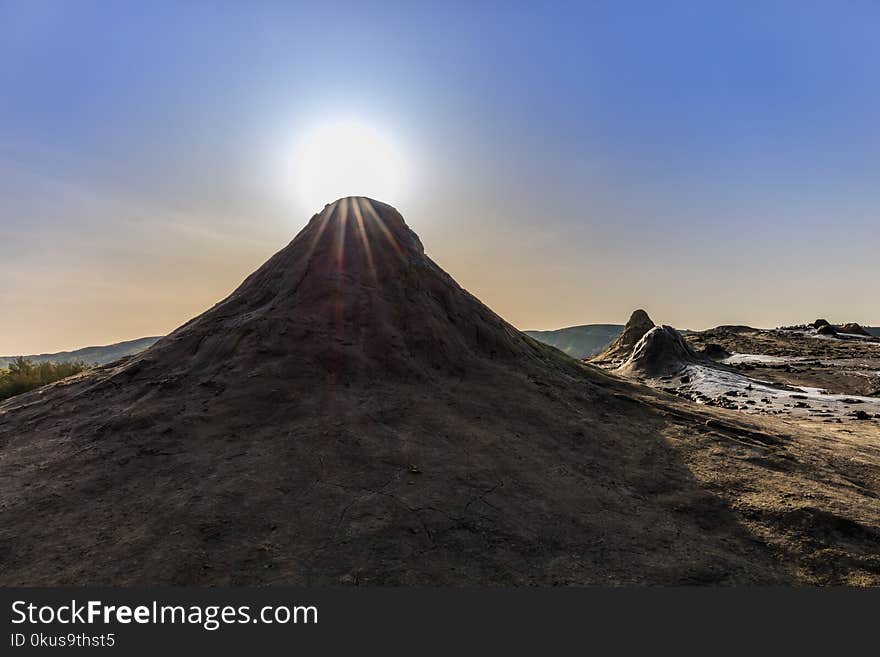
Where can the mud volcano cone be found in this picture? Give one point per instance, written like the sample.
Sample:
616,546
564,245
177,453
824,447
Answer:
661,351
639,323
354,298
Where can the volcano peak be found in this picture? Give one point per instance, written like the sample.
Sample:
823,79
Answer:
353,294
372,225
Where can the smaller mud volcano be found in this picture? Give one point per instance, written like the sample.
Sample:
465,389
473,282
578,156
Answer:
662,351
853,329
638,325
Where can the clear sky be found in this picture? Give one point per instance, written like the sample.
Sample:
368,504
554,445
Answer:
566,162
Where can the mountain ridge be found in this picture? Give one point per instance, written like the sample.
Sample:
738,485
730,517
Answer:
579,341
92,355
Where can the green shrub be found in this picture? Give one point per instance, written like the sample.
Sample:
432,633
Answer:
24,374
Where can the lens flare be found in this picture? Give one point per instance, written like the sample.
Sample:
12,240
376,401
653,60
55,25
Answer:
346,158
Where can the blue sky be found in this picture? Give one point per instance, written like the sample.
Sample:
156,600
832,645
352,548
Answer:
712,162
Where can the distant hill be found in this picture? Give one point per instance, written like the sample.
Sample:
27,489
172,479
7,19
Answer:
579,341
873,330
90,355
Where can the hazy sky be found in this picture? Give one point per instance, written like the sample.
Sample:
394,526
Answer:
566,162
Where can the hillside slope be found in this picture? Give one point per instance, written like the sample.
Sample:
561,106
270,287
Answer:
579,341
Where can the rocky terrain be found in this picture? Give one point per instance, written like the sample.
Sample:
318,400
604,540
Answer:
804,371
817,382
351,416
800,357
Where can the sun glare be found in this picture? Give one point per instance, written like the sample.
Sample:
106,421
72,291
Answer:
346,158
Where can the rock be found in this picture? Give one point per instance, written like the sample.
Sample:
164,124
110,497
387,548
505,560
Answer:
819,323
861,415
853,329
826,329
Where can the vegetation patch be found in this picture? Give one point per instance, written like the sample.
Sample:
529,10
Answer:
24,374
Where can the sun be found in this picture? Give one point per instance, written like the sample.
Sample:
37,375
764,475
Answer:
346,157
